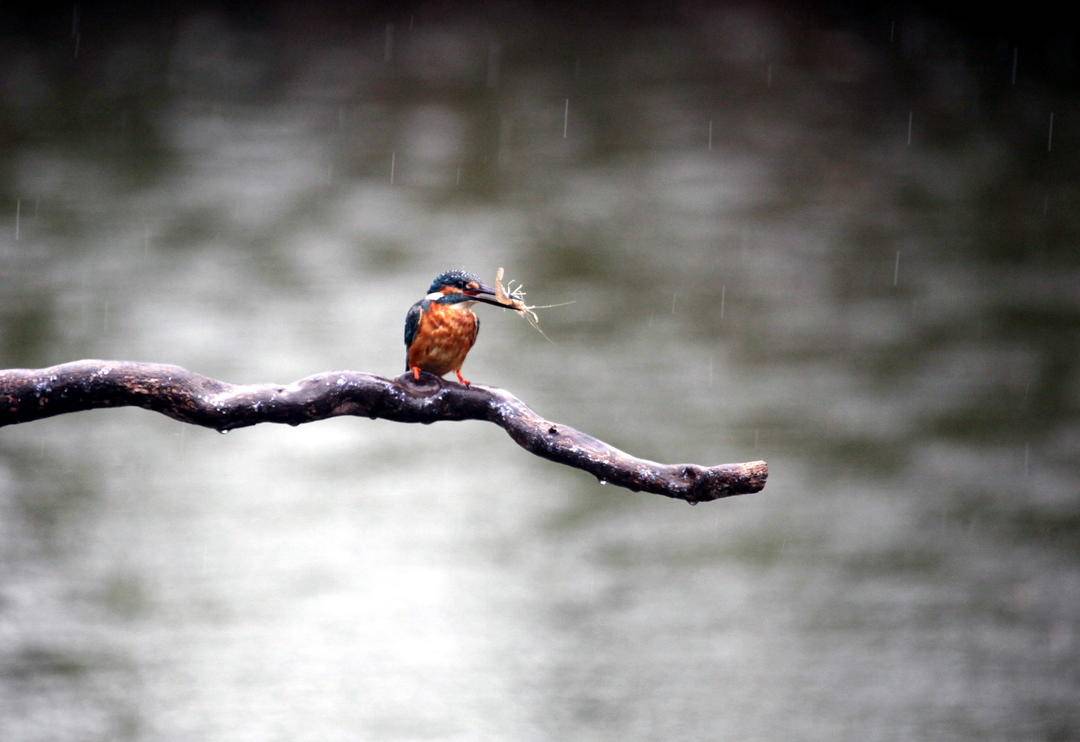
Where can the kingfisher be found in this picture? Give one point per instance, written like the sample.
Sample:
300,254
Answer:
441,328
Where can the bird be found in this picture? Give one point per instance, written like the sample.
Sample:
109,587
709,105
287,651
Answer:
441,328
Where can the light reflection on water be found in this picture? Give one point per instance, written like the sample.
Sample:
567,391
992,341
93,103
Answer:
910,571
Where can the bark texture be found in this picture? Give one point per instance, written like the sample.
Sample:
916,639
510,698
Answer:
32,394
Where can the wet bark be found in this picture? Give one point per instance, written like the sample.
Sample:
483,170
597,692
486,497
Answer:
33,394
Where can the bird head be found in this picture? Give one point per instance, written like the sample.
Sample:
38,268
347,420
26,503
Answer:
456,286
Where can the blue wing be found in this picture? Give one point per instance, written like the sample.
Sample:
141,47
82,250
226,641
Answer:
412,324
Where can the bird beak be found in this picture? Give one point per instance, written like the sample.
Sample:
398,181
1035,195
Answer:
487,295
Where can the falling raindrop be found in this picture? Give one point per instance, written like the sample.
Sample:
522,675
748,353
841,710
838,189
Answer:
1027,458
566,118
493,65
457,180
674,297
896,269
712,375
910,120
1016,59
892,31
710,135
1046,204
388,46
393,165
723,296
18,214
75,28
1050,136
603,482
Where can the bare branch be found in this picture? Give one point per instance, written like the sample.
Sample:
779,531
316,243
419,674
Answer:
32,394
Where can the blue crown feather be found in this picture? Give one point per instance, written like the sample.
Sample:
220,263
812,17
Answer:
457,279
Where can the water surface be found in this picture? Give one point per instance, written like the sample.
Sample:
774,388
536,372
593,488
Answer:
786,239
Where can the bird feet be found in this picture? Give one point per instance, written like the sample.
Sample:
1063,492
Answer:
417,372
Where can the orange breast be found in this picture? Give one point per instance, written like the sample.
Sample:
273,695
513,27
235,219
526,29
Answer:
443,339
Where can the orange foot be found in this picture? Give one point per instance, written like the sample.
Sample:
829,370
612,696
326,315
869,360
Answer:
461,378
416,373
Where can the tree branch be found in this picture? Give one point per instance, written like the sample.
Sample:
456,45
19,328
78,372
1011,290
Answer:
32,394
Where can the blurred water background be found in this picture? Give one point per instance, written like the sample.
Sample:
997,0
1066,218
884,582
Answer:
847,246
